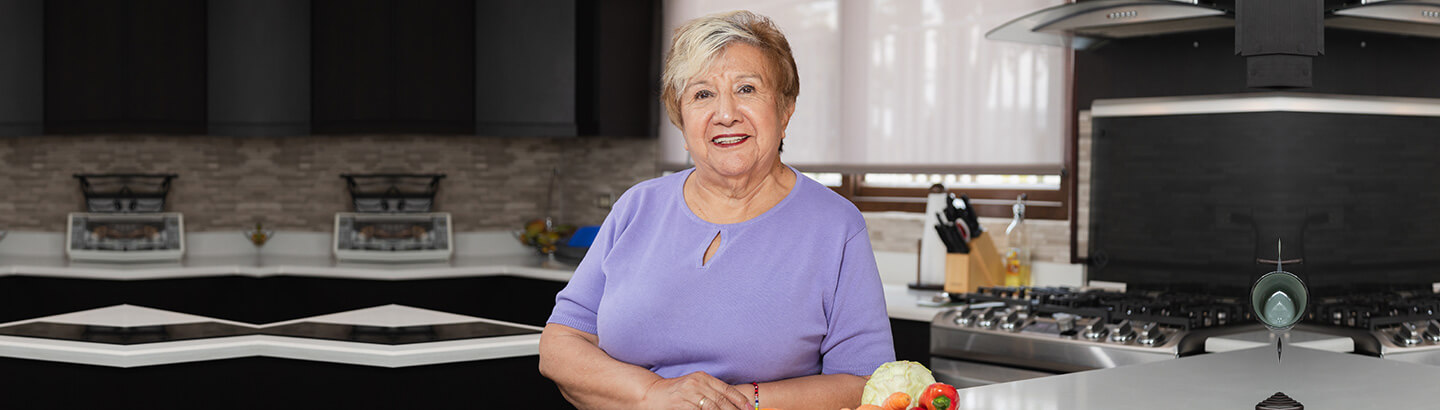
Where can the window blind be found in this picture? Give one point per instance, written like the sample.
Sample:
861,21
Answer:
907,86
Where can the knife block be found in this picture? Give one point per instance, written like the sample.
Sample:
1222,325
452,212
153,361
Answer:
964,272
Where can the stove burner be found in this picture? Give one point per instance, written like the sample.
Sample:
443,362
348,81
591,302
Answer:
1065,329
1189,311
1376,310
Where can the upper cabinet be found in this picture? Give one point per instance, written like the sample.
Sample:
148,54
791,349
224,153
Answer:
391,66
279,67
514,68
124,66
566,67
526,68
620,68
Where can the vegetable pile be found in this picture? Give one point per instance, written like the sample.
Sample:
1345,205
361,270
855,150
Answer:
906,385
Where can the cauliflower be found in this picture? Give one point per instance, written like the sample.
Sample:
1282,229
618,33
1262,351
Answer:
898,376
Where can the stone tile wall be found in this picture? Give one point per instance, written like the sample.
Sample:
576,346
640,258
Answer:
293,183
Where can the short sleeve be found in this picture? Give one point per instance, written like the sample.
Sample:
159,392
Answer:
859,339
578,304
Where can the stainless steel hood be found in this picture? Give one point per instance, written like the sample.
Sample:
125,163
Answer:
1405,17
1086,24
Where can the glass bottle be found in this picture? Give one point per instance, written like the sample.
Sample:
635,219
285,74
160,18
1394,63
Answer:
1017,252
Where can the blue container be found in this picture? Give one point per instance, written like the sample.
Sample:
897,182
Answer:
584,236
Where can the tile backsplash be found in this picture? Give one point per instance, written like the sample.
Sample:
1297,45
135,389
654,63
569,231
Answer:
292,183
229,183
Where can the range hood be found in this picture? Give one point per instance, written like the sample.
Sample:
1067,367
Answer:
1087,24
1405,17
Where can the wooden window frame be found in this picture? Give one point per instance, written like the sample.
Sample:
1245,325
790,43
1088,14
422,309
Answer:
992,202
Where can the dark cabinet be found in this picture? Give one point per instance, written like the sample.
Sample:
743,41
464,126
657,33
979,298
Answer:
125,66
526,69
512,68
567,67
620,68
390,66
912,340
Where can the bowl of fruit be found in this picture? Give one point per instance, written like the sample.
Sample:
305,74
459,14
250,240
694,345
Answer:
545,236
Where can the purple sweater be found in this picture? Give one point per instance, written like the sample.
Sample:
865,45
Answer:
792,292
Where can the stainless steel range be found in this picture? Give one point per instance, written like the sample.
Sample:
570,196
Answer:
393,221
125,221
1032,332
1405,325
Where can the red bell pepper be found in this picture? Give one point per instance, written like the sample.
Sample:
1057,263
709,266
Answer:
939,396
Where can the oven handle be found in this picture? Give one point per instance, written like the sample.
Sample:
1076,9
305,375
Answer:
962,374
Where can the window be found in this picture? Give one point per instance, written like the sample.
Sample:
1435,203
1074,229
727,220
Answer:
908,86
893,91
992,195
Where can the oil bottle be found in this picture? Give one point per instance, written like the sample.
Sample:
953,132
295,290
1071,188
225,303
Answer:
1017,251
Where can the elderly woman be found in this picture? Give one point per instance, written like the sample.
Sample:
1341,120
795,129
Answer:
734,281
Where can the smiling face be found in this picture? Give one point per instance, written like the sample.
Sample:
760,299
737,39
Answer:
734,117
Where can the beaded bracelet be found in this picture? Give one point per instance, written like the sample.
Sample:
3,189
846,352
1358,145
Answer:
757,394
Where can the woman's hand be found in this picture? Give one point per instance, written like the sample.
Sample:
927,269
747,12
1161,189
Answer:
697,390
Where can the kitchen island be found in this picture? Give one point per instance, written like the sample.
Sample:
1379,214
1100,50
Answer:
127,333
1228,380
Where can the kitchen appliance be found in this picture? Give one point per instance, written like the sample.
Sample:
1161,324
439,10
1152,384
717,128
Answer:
125,221
1047,330
1193,192
1404,324
1088,24
1404,17
393,221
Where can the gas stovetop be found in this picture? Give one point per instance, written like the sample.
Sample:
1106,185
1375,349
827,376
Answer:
1404,323
1067,329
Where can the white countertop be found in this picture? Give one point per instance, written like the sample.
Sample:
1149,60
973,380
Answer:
901,303
523,265
288,253
216,348
1229,380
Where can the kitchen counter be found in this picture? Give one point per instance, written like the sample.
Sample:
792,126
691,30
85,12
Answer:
901,302
1229,380
288,253
97,338
523,265
230,339
307,254
303,256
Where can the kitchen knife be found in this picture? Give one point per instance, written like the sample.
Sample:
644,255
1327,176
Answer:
964,229
951,213
944,238
971,218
